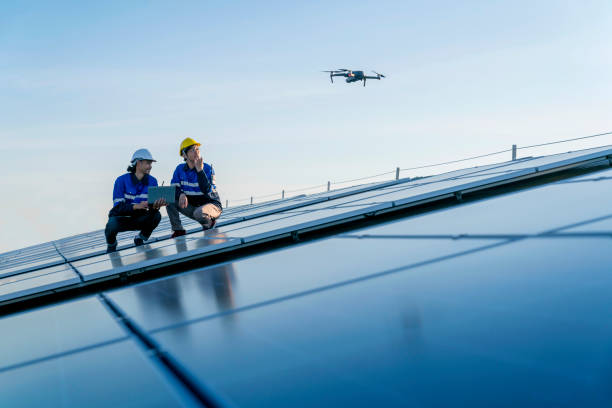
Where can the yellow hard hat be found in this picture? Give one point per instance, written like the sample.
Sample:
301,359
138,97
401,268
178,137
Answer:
186,143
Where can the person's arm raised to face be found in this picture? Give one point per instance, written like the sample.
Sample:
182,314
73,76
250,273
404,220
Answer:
199,164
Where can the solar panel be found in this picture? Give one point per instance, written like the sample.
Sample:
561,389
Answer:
275,276
33,282
35,257
264,229
140,258
534,211
31,265
505,315
603,227
509,293
277,224
116,375
55,330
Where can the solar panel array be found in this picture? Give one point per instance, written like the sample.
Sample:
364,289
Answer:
500,301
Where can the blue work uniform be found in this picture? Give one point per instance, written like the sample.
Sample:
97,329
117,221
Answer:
128,191
199,187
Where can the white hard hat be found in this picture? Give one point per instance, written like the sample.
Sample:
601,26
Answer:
142,154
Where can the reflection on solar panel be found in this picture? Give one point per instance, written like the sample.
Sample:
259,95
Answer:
485,286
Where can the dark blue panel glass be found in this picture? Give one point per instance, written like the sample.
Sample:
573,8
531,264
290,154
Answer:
273,276
537,210
592,227
115,375
522,324
56,329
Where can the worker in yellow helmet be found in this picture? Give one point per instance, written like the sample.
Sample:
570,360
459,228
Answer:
196,190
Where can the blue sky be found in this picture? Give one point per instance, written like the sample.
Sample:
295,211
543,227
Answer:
84,85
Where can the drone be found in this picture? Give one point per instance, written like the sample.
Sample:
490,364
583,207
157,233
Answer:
353,76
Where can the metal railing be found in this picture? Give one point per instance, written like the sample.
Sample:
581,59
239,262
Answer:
514,149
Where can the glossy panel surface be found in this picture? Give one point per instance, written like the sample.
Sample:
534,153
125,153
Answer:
36,273
274,207
522,323
273,276
148,255
55,329
20,267
294,222
439,189
96,248
260,209
28,255
326,199
116,375
261,228
35,281
593,227
548,208
469,171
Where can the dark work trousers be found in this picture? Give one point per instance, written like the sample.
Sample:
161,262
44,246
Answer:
145,223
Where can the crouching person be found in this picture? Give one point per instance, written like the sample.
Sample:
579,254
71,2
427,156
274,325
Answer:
131,211
196,191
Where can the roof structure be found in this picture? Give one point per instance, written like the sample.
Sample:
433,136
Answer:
487,286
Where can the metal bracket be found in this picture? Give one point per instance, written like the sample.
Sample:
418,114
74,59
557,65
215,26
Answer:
295,236
458,196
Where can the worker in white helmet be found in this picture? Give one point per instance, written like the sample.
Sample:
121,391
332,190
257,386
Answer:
131,210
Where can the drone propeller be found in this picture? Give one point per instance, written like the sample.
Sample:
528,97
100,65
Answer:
331,75
380,75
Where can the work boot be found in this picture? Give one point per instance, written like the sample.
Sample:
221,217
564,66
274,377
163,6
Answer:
111,248
139,239
207,222
178,233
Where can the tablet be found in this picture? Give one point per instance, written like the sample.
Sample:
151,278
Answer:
168,193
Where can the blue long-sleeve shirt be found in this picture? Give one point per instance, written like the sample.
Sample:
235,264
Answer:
128,191
199,187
